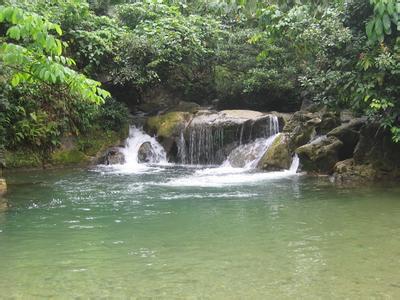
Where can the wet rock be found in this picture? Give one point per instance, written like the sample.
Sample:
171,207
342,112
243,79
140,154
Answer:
167,128
300,128
245,154
278,155
212,135
112,156
348,134
146,153
3,187
348,171
321,155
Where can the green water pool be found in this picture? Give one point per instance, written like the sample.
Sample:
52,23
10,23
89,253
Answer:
181,233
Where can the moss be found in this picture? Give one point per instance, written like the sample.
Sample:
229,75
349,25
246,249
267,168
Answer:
22,159
73,150
97,140
68,157
277,156
166,125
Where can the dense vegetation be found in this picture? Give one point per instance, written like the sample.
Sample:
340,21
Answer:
266,55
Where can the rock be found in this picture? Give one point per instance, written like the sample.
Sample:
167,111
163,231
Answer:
167,128
278,155
220,132
146,153
167,125
329,120
300,128
346,116
320,155
348,171
3,187
112,156
376,147
348,134
245,154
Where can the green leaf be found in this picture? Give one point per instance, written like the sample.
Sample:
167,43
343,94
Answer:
14,33
15,80
378,27
369,28
33,116
58,29
387,23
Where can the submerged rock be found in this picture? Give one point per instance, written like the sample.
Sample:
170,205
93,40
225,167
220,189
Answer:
112,156
321,155
278,155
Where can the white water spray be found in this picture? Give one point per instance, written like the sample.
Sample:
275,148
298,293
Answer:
137,137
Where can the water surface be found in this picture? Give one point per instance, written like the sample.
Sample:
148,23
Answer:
178,232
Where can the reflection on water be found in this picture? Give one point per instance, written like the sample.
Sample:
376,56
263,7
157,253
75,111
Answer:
101,233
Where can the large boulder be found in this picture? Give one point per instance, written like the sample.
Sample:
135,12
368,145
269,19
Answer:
112,156
168,128
278,155
348,171
146,153
321,155
303,126
213,135
348,134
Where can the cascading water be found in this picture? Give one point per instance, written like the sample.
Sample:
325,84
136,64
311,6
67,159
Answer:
210,144
204,146
137,138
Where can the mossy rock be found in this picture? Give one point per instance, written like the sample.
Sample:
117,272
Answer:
22,159
165,126
69,157
321,155
98,141
278,156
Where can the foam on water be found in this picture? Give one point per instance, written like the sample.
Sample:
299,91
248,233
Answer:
138,137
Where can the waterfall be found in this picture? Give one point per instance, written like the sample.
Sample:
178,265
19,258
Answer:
137,138
248,155
295,164
182,149
205,143
273,125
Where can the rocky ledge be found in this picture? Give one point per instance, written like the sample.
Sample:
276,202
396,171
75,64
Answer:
337,144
